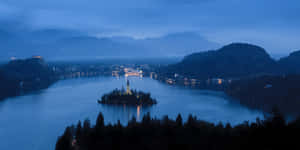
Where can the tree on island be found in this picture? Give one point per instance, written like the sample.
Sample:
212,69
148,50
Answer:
130,97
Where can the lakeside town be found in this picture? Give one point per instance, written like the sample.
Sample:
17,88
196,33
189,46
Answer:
74,70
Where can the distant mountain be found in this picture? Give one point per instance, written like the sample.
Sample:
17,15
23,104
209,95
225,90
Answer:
234,60
48,35
91,47
61,44
179,44
291,63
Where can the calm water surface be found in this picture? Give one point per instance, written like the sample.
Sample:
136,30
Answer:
33,122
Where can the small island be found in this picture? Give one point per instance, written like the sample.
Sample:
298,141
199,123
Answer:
127,97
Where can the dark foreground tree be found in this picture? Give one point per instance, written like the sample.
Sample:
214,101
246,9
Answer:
65,141
167,134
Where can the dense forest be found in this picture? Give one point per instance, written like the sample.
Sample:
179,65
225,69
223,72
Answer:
264,92
251,75
27,75
154,134
232,61
291,63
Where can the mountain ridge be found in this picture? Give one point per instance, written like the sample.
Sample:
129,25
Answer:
233,60
291,63
59,43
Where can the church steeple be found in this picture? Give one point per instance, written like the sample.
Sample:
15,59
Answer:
128,91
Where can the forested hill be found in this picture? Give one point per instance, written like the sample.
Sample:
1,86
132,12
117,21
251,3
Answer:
254,78
291,63
266,92
24,75
234,60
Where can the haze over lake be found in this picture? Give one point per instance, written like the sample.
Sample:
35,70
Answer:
43,115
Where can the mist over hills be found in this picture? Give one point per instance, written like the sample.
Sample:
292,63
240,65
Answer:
68,44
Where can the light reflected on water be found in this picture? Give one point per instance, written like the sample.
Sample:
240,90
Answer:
138,113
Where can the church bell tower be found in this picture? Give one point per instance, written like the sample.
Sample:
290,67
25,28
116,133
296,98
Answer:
128,91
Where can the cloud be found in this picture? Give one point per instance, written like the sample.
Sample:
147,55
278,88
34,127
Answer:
147,13
144,18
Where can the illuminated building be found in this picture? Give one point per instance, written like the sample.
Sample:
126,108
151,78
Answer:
137,74
126,70
217,81
128,91
131,72
38,57
13,58
153,75
220,81
186,83
193,81
115,73
170,81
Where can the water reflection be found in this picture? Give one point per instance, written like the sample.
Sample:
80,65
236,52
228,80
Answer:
138,109
112,113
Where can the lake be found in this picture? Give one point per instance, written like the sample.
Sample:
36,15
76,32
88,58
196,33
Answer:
34,121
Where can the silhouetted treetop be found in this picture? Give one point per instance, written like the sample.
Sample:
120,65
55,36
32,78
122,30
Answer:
154,134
